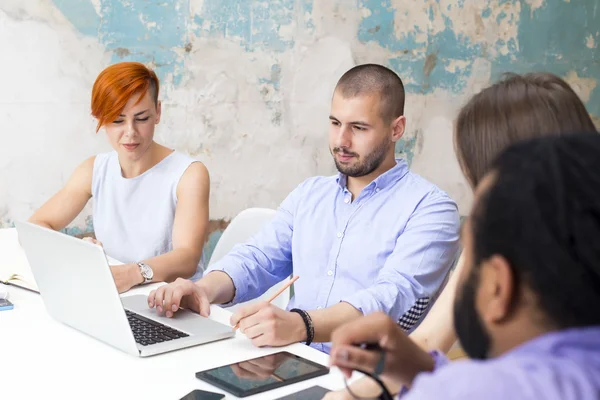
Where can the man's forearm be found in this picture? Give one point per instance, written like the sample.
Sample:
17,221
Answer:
325,321
219,287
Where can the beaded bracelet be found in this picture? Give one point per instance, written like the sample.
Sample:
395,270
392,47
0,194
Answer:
310,329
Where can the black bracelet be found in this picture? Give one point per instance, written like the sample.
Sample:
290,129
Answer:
310,329
311,337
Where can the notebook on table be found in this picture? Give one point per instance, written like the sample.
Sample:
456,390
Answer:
14,267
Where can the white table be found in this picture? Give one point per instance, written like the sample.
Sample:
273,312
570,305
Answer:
41,358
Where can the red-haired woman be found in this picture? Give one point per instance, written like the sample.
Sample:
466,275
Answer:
150,202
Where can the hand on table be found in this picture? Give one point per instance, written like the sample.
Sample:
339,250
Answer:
182,293
268,325
92,240
126,276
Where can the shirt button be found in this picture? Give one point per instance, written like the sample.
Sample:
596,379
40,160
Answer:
330,272
377,190
346,200
339,234
319,307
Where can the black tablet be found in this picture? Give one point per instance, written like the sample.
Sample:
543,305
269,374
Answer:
263,373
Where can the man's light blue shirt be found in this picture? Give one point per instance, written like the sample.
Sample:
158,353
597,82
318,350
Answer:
388,250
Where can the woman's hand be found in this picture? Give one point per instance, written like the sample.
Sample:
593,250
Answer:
126,276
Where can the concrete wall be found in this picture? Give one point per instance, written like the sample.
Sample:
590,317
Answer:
246,84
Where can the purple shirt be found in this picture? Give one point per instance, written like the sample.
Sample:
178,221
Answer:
561,365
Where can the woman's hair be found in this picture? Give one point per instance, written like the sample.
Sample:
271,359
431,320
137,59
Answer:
115,86
516,108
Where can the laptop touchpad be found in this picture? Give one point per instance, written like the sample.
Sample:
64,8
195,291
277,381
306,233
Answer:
183,319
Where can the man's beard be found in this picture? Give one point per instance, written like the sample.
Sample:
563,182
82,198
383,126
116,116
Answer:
371,162
471,332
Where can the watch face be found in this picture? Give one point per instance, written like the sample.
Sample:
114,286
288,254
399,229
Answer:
147,272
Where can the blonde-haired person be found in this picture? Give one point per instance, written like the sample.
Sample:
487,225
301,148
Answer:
150,206
516,108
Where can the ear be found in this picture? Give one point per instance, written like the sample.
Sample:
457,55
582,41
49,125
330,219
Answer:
398,126
497,290
158,111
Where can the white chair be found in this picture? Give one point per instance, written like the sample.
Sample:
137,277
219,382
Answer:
240,230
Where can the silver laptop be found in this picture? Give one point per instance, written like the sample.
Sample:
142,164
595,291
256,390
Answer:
78,290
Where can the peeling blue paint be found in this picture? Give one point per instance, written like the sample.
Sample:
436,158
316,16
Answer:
431,13
255,25
6,223
405,147
307,8
500,16
80,230
274,79
136,30
150,31
553,39
82,15
379,25
157,32
423,65
544,43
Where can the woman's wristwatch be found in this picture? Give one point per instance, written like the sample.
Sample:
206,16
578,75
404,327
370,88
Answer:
146,272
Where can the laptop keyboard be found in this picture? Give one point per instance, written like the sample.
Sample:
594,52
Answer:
147,332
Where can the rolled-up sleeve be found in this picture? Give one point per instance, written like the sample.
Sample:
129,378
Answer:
266,258
422,257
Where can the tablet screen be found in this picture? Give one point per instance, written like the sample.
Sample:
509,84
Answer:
261,374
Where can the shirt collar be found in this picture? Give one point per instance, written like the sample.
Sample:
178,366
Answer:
382,181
